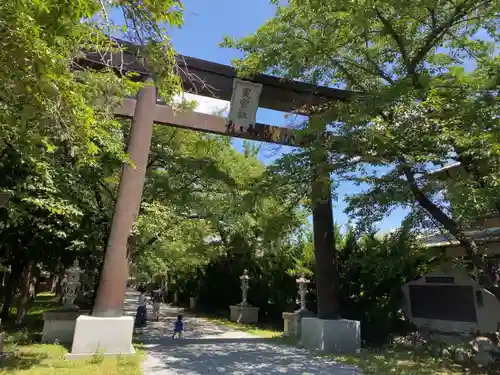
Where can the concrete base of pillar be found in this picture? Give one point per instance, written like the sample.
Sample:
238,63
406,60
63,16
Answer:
104,336
331,336
245,314
291,322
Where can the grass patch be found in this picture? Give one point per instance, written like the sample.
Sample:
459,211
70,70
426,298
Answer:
249,328
33,324
50,360
402,361
24,357
256,330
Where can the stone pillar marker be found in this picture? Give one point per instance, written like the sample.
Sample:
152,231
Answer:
244,312
107,330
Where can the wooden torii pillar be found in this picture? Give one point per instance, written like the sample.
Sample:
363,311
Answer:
212,80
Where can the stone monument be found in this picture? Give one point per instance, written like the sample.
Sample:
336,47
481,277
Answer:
59,325
449,302
291,320
244,312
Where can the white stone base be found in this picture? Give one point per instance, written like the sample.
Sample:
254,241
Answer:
331,336
244,314
59,325
106,336
291,322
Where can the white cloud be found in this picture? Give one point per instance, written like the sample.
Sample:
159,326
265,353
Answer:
205,104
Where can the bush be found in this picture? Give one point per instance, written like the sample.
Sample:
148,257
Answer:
217,285
372,272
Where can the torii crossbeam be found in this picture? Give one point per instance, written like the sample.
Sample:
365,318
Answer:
216,81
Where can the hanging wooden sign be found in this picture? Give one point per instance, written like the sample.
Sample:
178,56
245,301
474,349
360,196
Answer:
244,105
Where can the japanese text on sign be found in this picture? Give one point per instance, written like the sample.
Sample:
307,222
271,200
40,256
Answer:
244,104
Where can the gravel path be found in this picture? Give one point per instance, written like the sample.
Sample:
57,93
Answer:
207,348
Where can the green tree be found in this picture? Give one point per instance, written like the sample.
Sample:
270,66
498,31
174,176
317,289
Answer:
200,201
416,106
373,269
60,146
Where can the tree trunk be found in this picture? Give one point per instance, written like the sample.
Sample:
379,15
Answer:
10,290
58,288
54,282
24,295
449,224
35,282
2,287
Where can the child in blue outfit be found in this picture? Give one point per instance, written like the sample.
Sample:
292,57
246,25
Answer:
178,327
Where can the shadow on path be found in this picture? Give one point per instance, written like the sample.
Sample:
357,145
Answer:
207,348
237,356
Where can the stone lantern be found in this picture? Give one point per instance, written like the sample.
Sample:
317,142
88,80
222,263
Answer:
291,320
59,325
244,312
302,283
71,285
244,288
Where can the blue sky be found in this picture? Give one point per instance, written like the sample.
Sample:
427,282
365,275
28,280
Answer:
205,23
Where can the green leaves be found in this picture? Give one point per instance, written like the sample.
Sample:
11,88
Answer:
420,108
61,148
203,200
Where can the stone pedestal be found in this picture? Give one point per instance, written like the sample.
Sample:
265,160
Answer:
245,314
2,340
331,336
106,336
59,325
291,322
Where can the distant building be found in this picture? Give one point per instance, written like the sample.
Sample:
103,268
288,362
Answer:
483,229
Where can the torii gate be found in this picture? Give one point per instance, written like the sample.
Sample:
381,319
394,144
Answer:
213,80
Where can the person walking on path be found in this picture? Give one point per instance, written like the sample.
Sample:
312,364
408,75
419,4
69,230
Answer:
140,316
178,327
156,298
